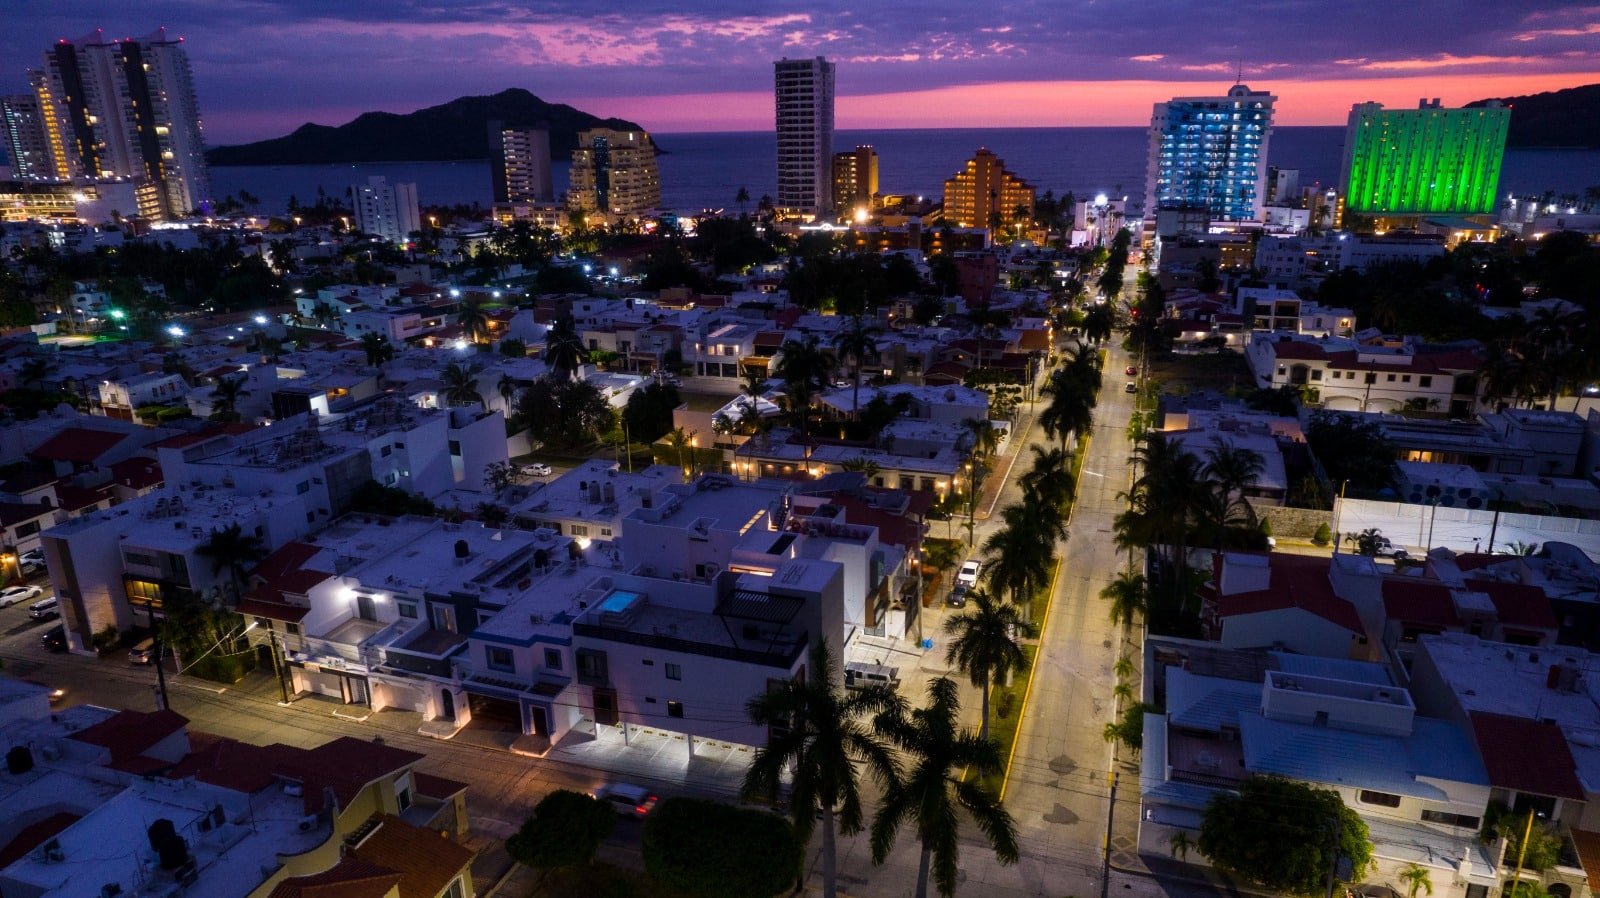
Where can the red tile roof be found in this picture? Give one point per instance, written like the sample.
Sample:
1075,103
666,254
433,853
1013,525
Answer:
130,733
137,473
350,878
230,764
184,440
426,860
1518,604
79,445
344,766
284,570
1413,601
1588,845
1297,581
437,786
265,603
1526,756
12,513
73,498
35,834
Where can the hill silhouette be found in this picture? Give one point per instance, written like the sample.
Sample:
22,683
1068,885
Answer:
1558,118
450,131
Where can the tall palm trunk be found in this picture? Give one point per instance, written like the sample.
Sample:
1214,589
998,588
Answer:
830,857
922,871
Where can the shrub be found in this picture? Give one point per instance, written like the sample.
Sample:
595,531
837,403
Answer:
564,831
708,849
106,640
1324,534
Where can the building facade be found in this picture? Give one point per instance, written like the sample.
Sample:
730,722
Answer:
615,173
520,158
985,195
855,180
1210,153
803,90
1424,160
126,110
387,212
27,143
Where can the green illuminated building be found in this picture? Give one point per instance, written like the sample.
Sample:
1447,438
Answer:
1426,160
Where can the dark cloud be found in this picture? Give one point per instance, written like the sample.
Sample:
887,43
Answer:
262,63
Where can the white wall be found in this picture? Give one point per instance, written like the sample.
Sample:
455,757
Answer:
1299,631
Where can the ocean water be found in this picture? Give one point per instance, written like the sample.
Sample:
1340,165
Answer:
701,171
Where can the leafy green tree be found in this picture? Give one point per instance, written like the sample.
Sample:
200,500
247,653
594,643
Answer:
225,397
1129,728
513,348
378,349
937,753
565,830
564,413
984,645
708,849
649,412
817,739
1284,835
805,370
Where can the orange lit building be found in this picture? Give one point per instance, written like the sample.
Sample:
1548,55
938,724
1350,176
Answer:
985,195
855,180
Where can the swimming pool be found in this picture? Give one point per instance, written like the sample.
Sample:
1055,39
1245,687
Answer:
618,601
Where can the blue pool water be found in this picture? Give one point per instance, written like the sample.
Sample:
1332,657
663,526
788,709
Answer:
618,601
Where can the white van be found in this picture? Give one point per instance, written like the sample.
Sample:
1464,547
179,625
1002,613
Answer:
861,674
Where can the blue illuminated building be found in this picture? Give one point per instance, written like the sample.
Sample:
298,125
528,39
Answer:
1210,153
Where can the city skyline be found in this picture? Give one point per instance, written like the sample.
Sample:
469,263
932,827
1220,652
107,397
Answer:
681,69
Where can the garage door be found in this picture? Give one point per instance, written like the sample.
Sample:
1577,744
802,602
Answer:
322,683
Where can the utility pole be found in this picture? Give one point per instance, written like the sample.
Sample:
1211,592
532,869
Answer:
1333,858
161,673
1105,865
277,663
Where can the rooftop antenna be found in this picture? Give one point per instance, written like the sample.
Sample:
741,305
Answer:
1238,72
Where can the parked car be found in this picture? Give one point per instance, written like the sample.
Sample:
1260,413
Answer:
537,469
11,595
627,799
1131,387
968,575
1131,370
57,693
861,674
958,596
31,562
144,652
44,610
55,638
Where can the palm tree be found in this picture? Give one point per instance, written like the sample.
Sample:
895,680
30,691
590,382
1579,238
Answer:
1232,470
461,385
378,349
682,442
1099,322
508,390
1128,596
742,197
752,382
816,738
1019,558
473,317
1416,880
862,465
858,342
804,369
1181,843
932,788
563,348
941,555
1170,488
225,398
491,515
1049,481
234,551
984,644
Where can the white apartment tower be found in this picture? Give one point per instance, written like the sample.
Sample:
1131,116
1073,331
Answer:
520,158
387,212
1211,153
126,110
804,94
27,145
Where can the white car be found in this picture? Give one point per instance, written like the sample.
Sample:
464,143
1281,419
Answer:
968,575
15,594
627,799
537,469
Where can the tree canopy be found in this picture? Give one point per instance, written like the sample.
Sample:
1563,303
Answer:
1281,835
564,830
709,849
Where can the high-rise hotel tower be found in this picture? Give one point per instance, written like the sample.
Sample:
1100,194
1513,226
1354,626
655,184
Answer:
1210,153
804,94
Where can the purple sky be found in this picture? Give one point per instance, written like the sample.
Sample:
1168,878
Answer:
263,67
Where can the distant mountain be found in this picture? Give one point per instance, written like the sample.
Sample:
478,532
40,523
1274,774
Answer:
1561,118
455,130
